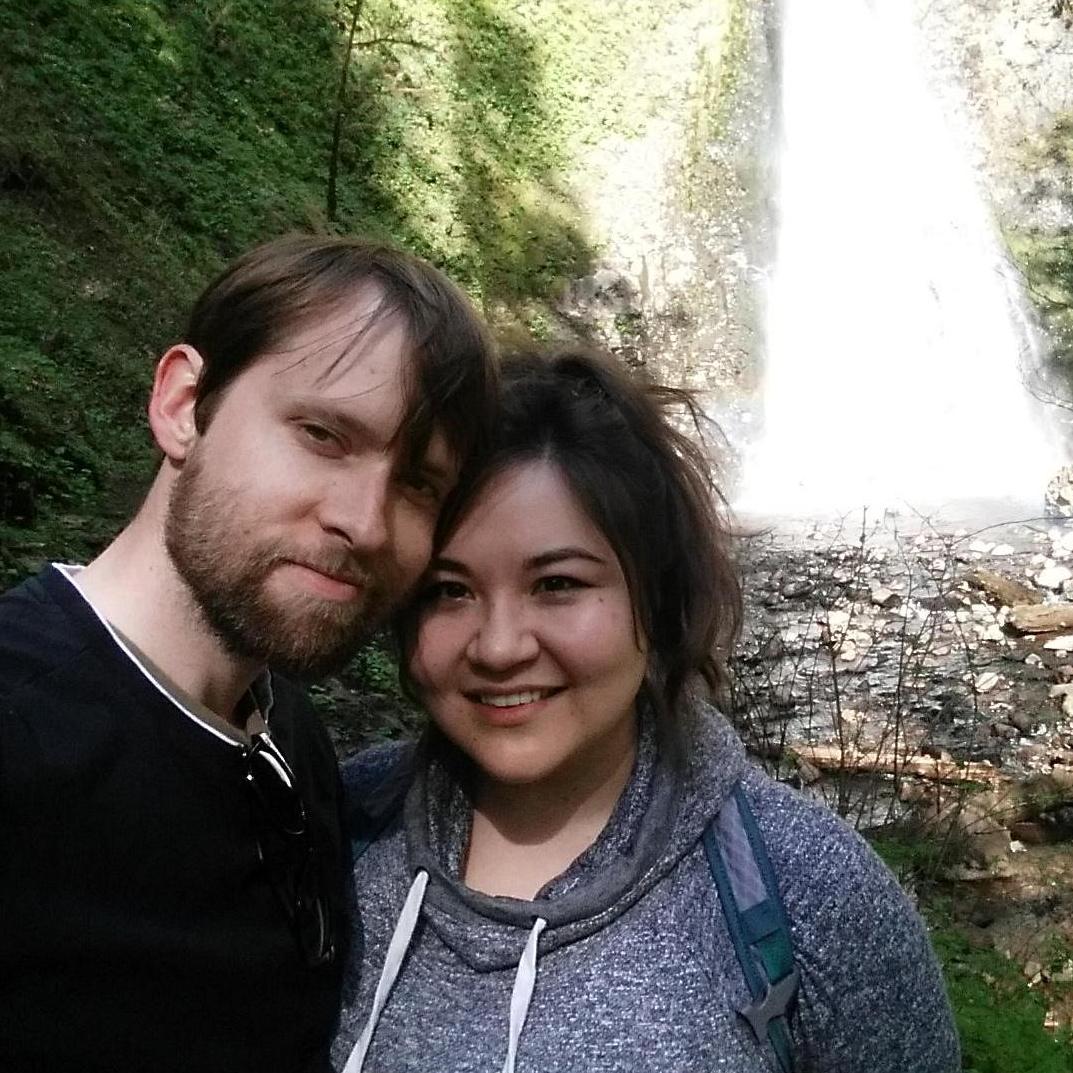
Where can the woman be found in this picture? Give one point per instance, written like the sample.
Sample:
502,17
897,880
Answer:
543,882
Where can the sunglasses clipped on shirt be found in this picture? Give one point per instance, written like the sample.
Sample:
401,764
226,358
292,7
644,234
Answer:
288,852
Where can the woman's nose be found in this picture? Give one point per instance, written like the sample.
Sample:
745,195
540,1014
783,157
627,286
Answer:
503,639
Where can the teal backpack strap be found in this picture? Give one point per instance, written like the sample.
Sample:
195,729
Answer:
757,923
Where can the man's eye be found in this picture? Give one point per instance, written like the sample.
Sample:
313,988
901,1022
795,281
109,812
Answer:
318,435
559,583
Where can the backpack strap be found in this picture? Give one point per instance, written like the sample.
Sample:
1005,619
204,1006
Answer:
756,920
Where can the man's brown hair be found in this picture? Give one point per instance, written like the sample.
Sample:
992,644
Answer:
275,289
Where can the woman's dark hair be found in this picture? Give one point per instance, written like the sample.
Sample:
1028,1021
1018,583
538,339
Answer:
650,490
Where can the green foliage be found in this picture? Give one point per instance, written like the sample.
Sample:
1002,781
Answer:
1047,263
1046,257
912,857
999,1018
145,142
374,670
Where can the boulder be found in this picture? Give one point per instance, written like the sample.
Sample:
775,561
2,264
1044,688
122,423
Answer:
1053,577
1059,494
1042,618
1001,590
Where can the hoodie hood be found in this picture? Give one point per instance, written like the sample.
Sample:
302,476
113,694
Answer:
659,818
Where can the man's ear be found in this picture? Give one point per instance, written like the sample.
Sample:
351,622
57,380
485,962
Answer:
171,405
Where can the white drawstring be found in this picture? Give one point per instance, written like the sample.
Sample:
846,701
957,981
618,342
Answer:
521,996
396,952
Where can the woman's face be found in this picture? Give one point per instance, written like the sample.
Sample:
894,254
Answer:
526,653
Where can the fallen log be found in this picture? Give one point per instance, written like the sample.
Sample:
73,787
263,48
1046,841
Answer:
1003,590
832,757
887,762
1041,618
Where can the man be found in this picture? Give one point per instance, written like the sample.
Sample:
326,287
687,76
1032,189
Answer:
171,867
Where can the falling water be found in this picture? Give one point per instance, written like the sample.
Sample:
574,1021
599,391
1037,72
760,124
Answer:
895,330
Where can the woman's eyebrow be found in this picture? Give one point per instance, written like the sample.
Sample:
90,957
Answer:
558,555
452,566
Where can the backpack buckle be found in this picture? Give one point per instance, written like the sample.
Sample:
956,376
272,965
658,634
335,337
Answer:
774,1004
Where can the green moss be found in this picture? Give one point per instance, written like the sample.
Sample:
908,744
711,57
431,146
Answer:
722,70
145,142
1046,261
1046,257
999,1018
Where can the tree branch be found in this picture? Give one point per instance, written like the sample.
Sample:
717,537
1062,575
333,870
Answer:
392,41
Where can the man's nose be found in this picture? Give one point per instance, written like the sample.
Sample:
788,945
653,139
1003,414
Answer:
357,507
504,638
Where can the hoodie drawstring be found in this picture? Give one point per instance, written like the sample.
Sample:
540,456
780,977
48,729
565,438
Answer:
521,996
396,952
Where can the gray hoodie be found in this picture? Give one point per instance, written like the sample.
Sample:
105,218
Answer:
632,969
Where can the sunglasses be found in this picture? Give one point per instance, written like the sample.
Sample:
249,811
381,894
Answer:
287,851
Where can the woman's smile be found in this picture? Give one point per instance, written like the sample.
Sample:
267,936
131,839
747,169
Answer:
515,707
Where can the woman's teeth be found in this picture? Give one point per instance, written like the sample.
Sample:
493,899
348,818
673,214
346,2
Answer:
512,700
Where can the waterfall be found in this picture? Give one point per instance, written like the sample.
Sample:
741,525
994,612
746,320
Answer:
895,329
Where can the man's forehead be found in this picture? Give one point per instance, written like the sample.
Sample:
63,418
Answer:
363,336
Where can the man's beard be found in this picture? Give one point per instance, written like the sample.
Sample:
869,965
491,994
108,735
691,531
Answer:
227,572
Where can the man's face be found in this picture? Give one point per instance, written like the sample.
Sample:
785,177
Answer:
297,520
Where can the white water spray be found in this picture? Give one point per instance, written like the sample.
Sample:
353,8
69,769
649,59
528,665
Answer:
895,331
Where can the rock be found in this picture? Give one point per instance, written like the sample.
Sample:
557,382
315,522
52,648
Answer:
1024,721
988,847
1017,847
883,597
1002,590
1053,577
1033,660
982,547
1033,970
1030,832
1060,644
1059,494
1004,731
1003,550
986,681
782,697
794,589
1041,618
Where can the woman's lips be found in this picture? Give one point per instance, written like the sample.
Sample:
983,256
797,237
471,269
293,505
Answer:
504,709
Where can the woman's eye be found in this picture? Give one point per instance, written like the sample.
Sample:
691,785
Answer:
559,583
420,486
444,590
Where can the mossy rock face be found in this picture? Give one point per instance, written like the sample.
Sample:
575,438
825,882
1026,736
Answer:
1046,261
143,144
